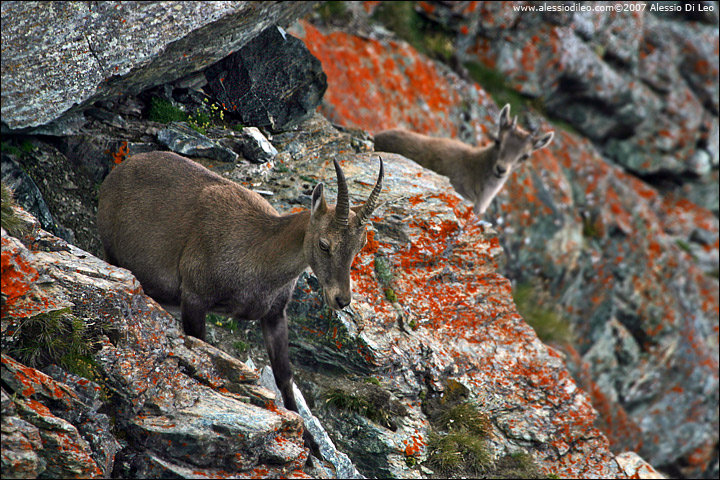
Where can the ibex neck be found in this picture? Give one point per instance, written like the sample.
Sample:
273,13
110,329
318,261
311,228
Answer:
283,252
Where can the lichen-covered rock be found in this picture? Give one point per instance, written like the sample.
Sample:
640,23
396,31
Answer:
66,56
644,88
64,453
181,406
449,315
613,253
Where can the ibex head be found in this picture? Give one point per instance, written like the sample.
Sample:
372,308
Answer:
514,145
335,235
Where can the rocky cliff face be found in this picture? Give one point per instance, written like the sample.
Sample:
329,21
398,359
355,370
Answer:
616,224
432,371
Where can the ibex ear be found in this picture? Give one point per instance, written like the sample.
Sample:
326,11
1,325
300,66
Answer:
318,203
504,117
543,141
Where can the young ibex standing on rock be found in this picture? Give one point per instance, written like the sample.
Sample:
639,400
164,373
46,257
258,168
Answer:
476,173
198,240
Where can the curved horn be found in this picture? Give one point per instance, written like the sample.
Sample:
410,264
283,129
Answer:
342,209
368,207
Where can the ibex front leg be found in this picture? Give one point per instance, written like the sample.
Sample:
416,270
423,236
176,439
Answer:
275,333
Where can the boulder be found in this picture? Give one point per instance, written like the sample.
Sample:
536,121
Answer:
59,58
273,81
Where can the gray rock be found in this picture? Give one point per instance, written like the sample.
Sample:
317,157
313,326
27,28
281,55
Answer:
256,147
344,467
61,56
28,195
273,81
181,138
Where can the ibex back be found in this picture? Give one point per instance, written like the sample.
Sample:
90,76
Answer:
476,173
201,241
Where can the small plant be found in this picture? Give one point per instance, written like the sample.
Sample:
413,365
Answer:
240,346
465,416
58,337
228,323
163,111
516,465
10,221
367,399
308,179
458,453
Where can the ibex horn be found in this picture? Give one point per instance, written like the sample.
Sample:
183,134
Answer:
368,207
342,209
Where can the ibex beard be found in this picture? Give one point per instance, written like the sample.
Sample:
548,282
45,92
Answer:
197,240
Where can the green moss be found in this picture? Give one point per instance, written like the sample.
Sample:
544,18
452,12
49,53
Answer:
390,295
549,325
372,380
10,221
9,148
162,111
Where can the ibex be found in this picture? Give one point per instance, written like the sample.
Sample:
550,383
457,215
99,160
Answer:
195,239
476,173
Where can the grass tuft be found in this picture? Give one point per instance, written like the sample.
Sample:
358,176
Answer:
162,111
12,224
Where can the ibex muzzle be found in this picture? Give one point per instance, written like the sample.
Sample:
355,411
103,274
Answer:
476,173
196,239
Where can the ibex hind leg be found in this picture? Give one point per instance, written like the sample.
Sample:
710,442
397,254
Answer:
193,316
275,334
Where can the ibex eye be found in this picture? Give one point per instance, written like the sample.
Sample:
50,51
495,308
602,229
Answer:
524,157
324,245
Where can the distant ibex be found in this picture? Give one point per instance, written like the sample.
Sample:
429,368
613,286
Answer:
476,173
204,242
